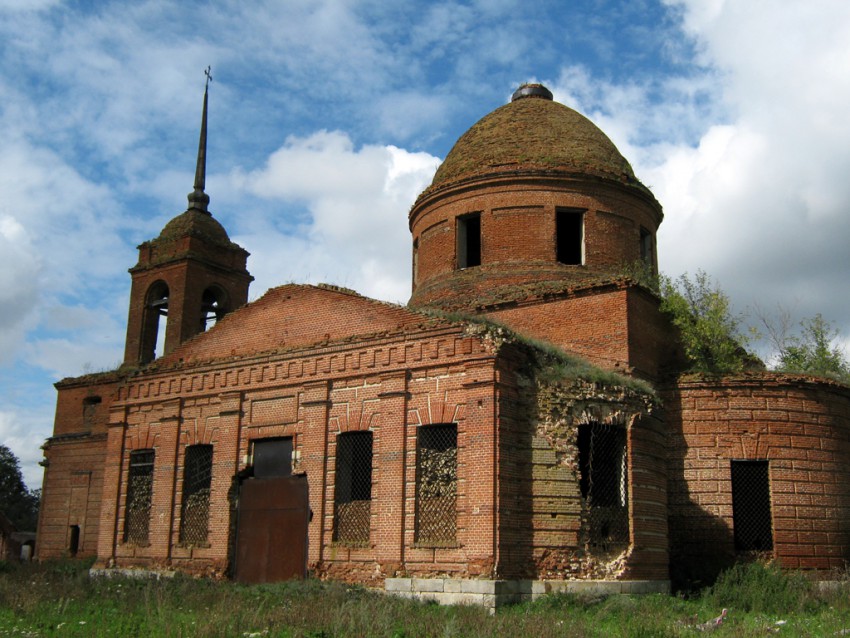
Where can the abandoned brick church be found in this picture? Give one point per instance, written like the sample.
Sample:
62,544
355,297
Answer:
519,427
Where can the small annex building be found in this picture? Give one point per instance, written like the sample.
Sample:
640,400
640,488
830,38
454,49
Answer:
519,427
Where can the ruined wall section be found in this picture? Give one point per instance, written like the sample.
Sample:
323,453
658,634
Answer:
568,543
549,530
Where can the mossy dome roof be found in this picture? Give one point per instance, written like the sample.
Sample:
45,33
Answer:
195,223
533,132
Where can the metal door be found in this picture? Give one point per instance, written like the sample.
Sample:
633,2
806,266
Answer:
271,530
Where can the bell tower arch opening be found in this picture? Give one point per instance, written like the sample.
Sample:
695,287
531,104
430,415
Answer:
155,322
214,306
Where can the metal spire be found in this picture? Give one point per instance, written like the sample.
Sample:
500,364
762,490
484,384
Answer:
198,199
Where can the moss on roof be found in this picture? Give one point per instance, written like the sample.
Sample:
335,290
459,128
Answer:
195,223
533,133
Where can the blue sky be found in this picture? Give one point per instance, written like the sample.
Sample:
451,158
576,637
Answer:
327,118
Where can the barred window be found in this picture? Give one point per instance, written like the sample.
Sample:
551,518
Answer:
197,477
751,513
137,513
353,491
436,484
604,483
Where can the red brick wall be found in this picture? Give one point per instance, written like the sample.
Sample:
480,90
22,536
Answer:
543,530
593,326
71,492
391,387
73,476
518,235
294,316
801,427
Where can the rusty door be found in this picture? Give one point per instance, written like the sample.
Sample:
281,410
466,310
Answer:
271,531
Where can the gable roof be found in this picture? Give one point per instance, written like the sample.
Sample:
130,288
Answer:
297,316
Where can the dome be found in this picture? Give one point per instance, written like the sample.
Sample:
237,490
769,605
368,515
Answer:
533,132
195,223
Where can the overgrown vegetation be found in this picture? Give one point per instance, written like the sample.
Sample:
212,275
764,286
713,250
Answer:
59,599
554,362
712,333
709,331
809,347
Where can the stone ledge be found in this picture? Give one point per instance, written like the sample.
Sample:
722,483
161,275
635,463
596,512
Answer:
495,593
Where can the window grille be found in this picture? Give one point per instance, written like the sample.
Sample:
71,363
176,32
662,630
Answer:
436,484
353,491
604,483
137,513
197,477
751,513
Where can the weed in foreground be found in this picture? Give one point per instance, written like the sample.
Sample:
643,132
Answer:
61,600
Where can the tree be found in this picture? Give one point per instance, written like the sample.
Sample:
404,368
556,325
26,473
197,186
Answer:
19,504
709,331
812,350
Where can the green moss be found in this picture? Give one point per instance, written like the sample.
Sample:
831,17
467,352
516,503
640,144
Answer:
552,364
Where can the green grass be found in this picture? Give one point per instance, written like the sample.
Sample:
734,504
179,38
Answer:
59,599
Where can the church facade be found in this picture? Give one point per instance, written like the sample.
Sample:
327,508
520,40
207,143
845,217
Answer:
519,427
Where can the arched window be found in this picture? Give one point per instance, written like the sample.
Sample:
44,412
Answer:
213,307
153,334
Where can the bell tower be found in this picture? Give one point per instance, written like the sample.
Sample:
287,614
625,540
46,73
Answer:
187,278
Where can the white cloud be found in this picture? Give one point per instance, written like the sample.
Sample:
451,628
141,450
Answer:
748,153
357,201
765,199
20,268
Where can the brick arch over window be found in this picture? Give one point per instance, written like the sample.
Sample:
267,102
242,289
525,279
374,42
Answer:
199,431
144,436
